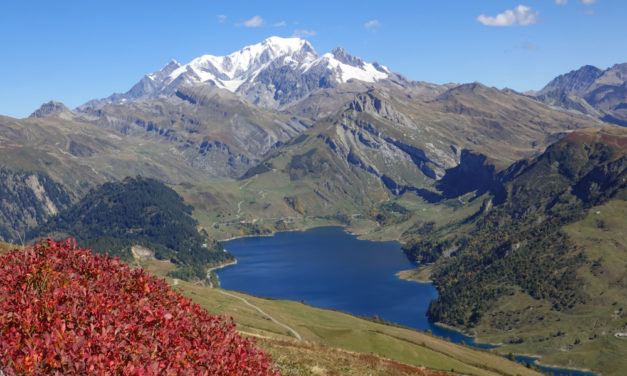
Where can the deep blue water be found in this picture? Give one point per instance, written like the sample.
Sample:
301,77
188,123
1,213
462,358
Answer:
329,268
555,371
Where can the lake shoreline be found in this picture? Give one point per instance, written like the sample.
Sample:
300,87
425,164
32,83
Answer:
218,267
234,262
344,227
273,233
537,361
421,274
271,253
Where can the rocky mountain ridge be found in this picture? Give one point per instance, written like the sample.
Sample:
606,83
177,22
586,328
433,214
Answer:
382,145
215,130
603,90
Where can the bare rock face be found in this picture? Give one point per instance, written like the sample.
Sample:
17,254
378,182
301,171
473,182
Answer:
26,200
574,82
142,253
280,85
341,55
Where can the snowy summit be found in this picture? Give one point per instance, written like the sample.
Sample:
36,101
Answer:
272,73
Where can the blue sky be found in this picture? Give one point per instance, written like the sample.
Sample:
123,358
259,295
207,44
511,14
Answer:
73,51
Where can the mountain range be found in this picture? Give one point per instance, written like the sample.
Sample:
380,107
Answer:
273,74
338,135
276,137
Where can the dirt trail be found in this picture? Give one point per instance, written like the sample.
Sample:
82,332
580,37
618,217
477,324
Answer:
263,313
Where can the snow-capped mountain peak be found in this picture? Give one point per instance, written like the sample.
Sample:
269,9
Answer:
272,73
230,71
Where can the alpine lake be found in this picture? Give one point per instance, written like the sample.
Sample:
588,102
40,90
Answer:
329,268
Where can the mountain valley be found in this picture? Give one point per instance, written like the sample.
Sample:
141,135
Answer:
514,201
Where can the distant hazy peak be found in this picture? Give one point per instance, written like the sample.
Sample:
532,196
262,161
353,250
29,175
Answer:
50,108
616,75
346,67
575,82
592,91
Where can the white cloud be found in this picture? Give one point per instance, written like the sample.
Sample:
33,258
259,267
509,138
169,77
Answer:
521,15
279,24
302,33
254,22
530,46
372,24
561,2
221,18
588,2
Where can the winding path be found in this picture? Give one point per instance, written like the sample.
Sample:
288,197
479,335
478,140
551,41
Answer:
239,209
263,313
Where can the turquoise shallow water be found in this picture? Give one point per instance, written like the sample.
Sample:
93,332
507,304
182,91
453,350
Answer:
329,268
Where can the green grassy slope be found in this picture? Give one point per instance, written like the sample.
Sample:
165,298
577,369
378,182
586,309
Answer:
347,332
80,155
584,335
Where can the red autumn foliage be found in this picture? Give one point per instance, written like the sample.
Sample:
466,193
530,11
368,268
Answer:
66,311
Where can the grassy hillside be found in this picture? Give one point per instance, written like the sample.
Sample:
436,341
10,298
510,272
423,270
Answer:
585,334
48,161
378,146
6,247
372,147
542,269
339,343
80,155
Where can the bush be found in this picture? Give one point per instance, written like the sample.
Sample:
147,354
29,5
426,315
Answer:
64,311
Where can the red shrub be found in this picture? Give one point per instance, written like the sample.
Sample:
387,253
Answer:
64,310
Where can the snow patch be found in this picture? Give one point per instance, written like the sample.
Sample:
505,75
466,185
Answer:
344,72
